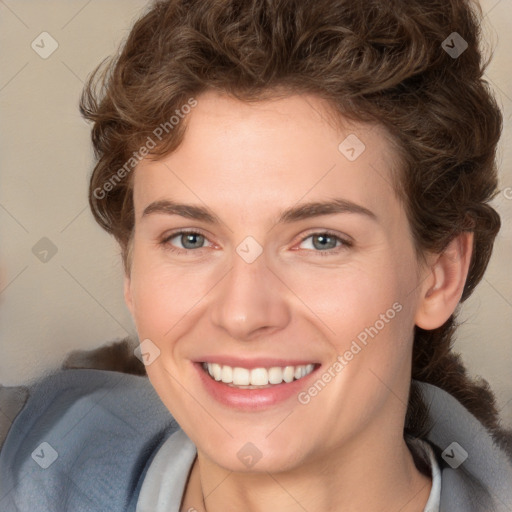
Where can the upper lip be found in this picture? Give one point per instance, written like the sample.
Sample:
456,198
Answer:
254,362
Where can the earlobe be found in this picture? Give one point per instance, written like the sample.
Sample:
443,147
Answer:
443,287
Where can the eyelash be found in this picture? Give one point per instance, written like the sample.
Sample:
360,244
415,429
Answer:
330,252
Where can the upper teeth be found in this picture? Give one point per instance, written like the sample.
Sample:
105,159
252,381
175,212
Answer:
257,376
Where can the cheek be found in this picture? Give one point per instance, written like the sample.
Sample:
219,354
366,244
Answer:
162,295
351,297
162,298
369,312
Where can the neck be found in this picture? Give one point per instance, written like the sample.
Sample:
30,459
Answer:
371,473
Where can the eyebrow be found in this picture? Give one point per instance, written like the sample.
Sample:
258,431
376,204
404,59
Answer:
296,213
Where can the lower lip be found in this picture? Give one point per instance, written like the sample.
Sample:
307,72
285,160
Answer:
251,399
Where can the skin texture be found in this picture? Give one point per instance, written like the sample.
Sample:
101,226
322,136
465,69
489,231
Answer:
344,450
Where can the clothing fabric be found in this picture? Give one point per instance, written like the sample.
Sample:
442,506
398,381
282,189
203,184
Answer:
164,484
423,450
86,439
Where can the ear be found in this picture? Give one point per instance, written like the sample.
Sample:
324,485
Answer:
128,292
442,289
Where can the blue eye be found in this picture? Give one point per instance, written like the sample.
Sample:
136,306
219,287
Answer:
192,240
186,237
326,242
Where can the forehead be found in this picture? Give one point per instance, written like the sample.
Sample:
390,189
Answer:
258,155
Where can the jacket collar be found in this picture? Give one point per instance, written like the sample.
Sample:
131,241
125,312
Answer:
476,474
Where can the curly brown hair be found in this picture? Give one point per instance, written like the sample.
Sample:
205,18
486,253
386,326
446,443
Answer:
373,61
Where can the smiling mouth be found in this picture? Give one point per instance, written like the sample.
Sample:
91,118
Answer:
256,378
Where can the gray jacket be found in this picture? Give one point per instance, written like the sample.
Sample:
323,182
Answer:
85,438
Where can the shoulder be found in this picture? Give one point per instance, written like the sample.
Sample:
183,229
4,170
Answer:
476,473
81,442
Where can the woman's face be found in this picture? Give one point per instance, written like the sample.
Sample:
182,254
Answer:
268,287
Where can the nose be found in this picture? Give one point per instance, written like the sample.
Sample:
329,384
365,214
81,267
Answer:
251,301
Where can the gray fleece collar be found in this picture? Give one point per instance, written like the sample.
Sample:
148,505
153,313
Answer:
480,481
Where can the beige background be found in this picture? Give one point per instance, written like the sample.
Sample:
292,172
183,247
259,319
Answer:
75,300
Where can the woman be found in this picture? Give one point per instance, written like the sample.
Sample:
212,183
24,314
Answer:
300,193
